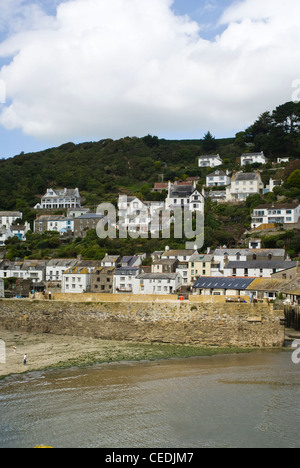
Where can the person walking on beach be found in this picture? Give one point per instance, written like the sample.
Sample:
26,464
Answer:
25,359
50,295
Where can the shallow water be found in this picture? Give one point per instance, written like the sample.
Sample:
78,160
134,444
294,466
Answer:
242,400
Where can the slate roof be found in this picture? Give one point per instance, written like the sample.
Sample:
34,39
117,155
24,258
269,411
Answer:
158,276
127,271
239,284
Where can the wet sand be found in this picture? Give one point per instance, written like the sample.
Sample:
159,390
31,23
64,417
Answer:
46,351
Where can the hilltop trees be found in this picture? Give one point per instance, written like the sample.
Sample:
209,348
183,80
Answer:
277,133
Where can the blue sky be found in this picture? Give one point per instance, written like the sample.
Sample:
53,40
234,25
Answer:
122,68
12,142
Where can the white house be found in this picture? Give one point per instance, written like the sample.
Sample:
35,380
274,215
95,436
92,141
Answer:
57,266
272,184
256,268
125,280
133,214
253,158
7,218
61,225
283,160
159,283
282,213
218,179
223,256
180,255
186,197
210,161
243,185
55,199
139,217
76,280
35,270
5,234
110,261
20,231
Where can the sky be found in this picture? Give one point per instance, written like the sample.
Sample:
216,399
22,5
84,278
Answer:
86,70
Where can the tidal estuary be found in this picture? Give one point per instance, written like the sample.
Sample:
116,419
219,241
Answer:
246,400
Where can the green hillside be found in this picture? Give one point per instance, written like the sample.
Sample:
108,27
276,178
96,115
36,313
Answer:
101,170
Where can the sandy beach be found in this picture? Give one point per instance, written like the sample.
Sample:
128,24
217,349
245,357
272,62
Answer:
48,351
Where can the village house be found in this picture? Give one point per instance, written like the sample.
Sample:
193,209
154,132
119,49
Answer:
159,187
210,161
265,288
253,158
131,261
83,224
224,256
20,231
283,160
134,215
111,261
164,266
5,234
211,286
76,280
56,199
243,185
291,290
159,283
56,267
53,223
76,212
282,213
125,280
140,217
256,268
201,265
34,270
183,255
9,229
102,280
218,179
218,196
186,197
273,183
7,218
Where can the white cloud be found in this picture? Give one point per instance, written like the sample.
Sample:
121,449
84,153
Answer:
131,67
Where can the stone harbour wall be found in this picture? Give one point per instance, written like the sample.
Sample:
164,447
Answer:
202,324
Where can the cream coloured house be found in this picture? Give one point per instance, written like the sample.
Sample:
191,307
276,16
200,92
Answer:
243,185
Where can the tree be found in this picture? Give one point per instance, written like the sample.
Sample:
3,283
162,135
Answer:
151,141
209,142
294,179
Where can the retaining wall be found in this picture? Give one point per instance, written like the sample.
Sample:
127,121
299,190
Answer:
204,324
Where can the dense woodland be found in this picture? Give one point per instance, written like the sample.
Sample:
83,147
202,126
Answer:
102,170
